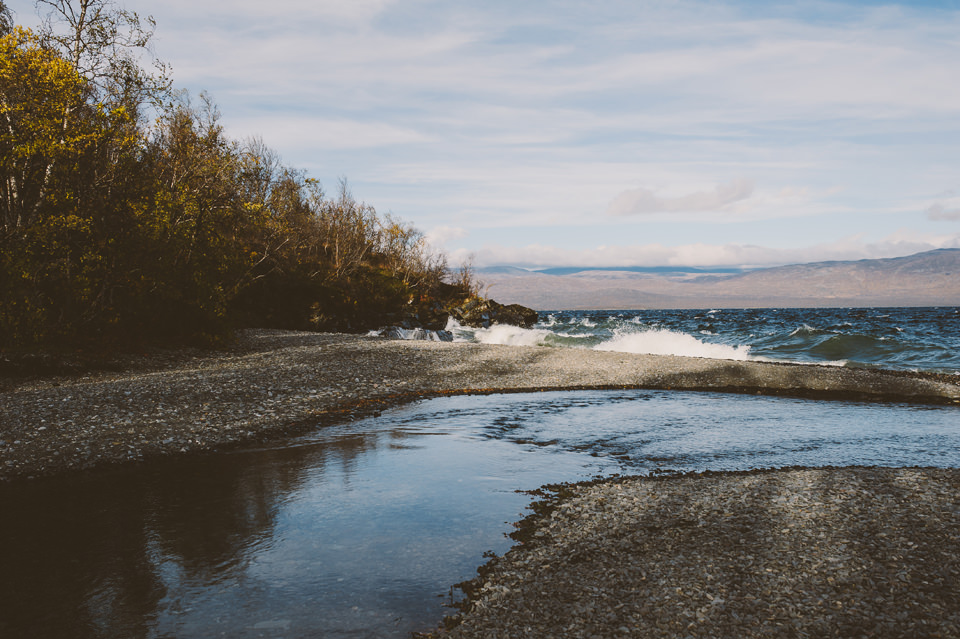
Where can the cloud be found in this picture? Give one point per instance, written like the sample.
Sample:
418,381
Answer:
281,11
524,117
312,133
440,235
643,201
898,244
939,211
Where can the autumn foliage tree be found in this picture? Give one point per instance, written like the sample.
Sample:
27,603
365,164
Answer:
119,227
49,132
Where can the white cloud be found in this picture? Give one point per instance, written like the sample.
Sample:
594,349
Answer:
904,242
255,11
941,211
440,235
519,118
642,201
319,133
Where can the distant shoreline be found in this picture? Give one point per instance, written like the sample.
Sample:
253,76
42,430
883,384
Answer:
277,383
924,279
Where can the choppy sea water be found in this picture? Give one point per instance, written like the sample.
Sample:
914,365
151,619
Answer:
925,339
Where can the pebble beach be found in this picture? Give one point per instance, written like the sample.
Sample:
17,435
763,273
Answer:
840,552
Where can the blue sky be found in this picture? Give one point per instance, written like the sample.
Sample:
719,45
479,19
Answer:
603,133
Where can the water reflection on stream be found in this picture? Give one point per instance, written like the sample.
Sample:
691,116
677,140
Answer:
360,530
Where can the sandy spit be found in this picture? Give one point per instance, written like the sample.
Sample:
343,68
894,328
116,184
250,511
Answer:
276,383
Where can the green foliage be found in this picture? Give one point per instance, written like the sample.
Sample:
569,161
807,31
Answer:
114,232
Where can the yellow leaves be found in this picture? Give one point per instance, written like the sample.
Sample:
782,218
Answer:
43,110
122,226
38,89
42,122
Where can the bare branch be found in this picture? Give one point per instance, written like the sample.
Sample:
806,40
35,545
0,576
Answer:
104,43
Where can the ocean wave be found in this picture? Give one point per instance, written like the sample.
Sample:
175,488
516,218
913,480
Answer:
666,342
922,339
499,334
512,335
806,329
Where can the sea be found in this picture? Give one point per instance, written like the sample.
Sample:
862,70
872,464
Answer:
913,339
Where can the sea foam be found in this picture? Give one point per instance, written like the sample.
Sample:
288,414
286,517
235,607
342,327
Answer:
666,342
499,334
511,335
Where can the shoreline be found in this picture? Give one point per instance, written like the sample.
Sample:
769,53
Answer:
277,383
851,552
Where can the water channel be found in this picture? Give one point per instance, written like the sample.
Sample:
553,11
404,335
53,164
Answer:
360,530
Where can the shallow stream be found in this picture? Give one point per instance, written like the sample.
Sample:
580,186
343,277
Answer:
360,530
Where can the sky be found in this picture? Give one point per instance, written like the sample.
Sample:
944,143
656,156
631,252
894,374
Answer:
603,133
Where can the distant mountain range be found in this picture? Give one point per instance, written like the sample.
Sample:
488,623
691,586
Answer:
660,270
925,279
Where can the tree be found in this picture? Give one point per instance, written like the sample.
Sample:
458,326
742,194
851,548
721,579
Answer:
408,254
6,20
115,230
347,231
104,44
40,99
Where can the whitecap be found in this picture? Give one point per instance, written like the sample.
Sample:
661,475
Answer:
460,333
806,329
498,334
666,342
511,335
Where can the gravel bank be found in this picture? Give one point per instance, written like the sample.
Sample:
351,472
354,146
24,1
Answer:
274,383
844,552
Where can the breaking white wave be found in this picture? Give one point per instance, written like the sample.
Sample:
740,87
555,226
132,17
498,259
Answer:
499,334
909,339
651,342
666,342
511,335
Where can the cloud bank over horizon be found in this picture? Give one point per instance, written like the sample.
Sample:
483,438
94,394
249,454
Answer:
691,132
703,255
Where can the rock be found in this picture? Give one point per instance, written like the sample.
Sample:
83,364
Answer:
483,313
391,332
401,332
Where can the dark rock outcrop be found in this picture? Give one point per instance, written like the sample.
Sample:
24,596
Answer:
482,313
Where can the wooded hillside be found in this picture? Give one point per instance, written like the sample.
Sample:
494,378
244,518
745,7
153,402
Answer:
127,214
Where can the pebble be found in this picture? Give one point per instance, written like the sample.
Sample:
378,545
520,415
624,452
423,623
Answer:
871,552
